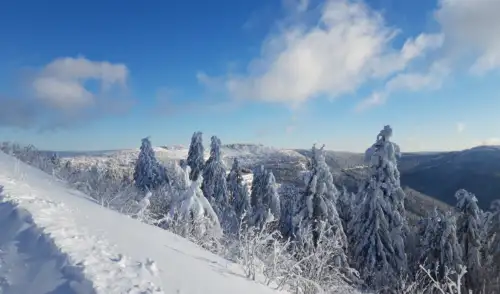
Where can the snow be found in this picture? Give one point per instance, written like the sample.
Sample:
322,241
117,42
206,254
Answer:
57,240
247,154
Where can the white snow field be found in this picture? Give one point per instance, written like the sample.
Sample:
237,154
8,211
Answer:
246,154
57,240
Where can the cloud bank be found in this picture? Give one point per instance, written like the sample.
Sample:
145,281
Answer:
67,91
61,83
349,45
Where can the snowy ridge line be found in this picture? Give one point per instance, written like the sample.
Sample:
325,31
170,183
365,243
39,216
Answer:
110,273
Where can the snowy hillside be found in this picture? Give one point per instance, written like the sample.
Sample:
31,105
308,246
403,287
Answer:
57,240
247,154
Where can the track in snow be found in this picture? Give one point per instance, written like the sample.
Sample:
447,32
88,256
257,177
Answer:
30,262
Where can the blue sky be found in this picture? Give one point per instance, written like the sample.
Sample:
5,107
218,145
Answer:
104,74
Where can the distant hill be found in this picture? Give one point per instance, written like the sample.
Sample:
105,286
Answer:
437,174
440,175
427,174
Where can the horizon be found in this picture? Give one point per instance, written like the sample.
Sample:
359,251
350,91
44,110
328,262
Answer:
207,149
285,74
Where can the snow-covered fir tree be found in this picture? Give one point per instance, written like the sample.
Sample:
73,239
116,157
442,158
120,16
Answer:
378,226
234,178
289,195
266,203
440,249
259,175
213,169
195,158
491,251
215,189
148,173
238,190
317,207
469,236
345,205
191,213
492,228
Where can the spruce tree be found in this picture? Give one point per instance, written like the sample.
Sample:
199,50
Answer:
345,205
317,207
469,236
214,186
259,175
238,190
148,173
234,179
439,246
378,226
214,167
195,158
491,250
266,201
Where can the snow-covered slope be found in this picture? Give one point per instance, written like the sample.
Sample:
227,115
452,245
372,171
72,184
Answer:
247,154
57,240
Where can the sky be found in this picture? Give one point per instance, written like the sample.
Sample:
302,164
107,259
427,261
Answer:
101,75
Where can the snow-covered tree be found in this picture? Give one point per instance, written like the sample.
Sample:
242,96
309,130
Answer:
54,158
469,236
234,178
259,175
378,225
345,205
491,251
213,168
318,204
290,194
266,203
215,189
493,234
195,158
148,174
191,213
439,246
238,190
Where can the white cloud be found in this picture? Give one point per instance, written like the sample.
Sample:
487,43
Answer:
468,28
62,83
349,45
460,127
471,27
406,81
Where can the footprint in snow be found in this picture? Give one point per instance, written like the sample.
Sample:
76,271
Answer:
120,259
149,265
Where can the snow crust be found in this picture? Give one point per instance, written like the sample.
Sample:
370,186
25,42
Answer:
91,249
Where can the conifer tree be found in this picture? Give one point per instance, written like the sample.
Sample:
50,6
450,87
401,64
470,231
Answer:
345,205
469,236
259,175
378,226
148,173
439,247
214,167
238,191
195,158
491,251
317,207
214,186
266,201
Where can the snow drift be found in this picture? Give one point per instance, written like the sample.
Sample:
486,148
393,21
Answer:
54,239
